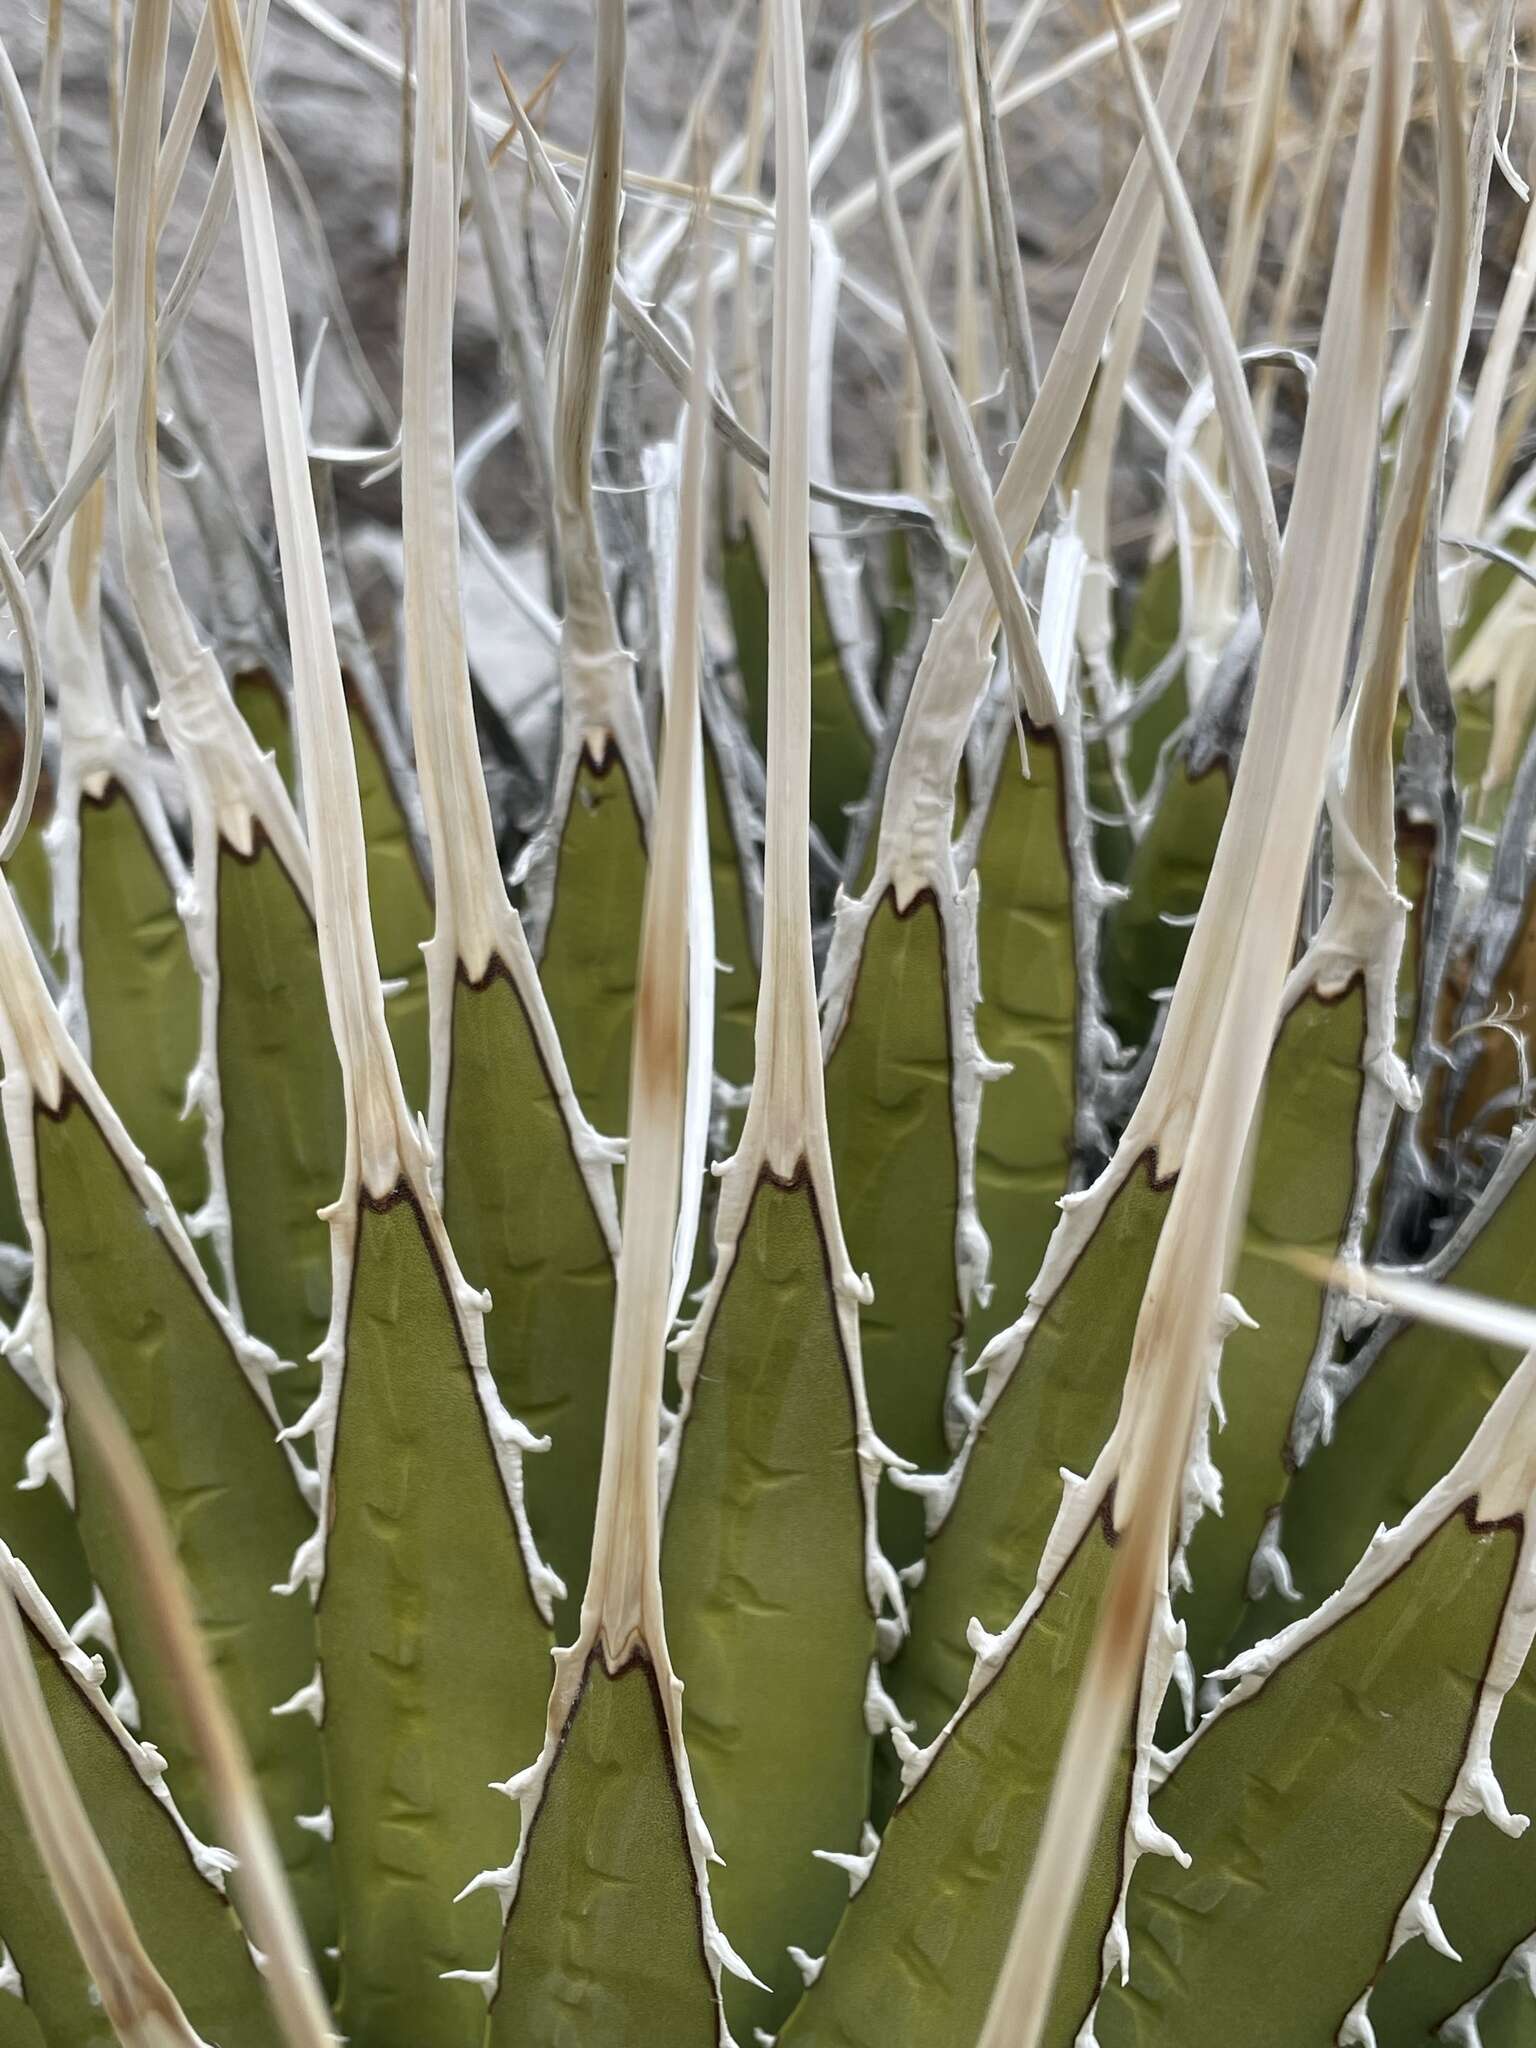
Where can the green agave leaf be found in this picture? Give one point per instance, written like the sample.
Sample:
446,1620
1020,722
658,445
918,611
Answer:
919,1948
1508,2018
1483,1877
587,963
186,1926
398,891
399,898
36,1522
1166,879
1278,1803
284,1118
431,1603
890,1081
1303,1179
433,1653
28,870
602,1940
764,1579
842,750
1053,1410
896,621
29,873
1421,1399
18,2023
1148,637
1488,583
738,911
1028,961
522,1219
142,996
264,706
117,1282
1415,875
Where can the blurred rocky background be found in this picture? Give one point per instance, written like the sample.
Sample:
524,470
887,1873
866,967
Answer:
338,143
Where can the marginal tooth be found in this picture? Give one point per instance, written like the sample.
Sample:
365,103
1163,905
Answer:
309,1699
855,1866
486,1979
810,1968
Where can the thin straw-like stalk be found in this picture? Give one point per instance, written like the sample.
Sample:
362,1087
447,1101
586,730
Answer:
1324,143
1245,446
15,594
139,2003
665,353
862,201
178,300
623,1633
951,418
13,329
1259,159
622,1606
380,1131
1262,863
1467,500
1008,264
387,1239
265,1900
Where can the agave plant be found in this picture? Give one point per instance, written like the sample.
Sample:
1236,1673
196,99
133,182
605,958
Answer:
844,1352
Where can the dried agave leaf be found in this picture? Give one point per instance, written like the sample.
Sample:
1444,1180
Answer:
915,865
609,1810
1201,1099
1351,969
583,874
109,1814
526,1188
432,1603
772,1579
234,793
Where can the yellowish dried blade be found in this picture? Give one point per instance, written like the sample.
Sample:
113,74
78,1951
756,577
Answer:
266,1904
1199,1119
611,1792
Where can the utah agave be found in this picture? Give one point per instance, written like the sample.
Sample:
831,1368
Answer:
891,1401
